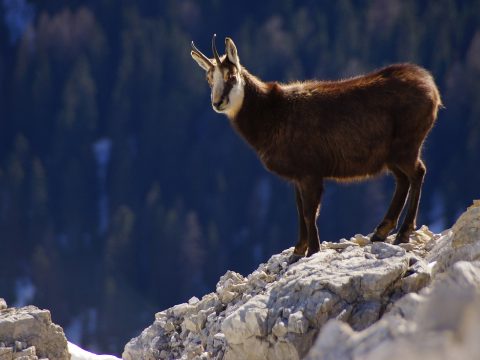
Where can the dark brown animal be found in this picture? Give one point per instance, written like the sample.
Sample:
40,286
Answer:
344,130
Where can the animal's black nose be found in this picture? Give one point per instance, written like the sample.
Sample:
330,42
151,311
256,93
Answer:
217,104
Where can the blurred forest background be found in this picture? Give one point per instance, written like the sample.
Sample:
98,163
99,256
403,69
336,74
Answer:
123,193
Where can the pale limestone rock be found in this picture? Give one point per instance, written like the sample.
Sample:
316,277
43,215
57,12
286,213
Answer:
20,345
283,350
218,339
227,296
279,329
365,314
20,356
251,348
182,309
340,245
169,326
297,323
445,325
230,286
6,352
418,276
195,322
277,311
28,352
361,240
248,321
459,243
190,324
442,322
326,345
30,333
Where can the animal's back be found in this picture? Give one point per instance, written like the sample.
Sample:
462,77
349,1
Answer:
354,127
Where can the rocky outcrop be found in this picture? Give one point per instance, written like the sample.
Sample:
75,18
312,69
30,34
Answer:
442,321
277,311
352,300
328,306
28,333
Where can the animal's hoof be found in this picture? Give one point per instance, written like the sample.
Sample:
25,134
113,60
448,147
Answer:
310,251
376,238
401,239
300,250
294,258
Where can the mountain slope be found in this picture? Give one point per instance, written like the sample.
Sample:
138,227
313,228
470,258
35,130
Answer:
278,311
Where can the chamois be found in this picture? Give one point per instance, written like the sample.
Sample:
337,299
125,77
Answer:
344,130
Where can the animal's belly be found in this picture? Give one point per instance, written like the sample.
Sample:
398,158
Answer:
353,174
339,164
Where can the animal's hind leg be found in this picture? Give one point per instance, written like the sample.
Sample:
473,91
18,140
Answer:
416,175
302,244
390,220
311,192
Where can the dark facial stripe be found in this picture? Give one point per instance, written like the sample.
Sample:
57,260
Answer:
226,89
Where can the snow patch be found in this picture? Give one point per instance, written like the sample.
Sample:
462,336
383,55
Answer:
78,353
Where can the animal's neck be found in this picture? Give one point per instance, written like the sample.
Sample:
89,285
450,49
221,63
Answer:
253,118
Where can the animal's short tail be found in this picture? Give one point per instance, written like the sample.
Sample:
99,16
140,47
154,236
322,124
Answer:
435,93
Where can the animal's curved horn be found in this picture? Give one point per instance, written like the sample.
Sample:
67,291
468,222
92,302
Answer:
202,55
214,49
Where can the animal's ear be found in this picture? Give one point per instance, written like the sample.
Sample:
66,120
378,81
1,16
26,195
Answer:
204,64
232,53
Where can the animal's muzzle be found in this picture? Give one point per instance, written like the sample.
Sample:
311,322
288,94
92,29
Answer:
218,105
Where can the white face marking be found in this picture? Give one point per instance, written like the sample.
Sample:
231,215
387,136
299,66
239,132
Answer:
232,102
217,88
236,98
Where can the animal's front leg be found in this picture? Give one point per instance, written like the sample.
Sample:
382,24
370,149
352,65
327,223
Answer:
398,202
302,244
311,190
